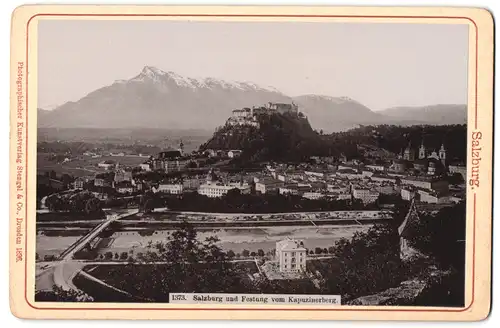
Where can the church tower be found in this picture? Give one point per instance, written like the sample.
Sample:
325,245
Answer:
442,154
421,151
409,154
181,148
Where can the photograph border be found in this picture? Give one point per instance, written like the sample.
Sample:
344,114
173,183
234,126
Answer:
238,13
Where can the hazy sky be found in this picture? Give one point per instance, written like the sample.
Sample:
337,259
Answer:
380,65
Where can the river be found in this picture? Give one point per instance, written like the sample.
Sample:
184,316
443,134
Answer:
235,239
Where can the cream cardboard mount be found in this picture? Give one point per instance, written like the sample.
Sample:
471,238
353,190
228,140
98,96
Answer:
171,181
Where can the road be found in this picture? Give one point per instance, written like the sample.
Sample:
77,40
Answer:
62,271
80,243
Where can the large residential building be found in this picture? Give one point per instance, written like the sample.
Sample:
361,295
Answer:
316,174
174,165
313,195
124,187
106,164
170,188
289,189
291,255
386,189
122,175
398,166
429,183
145,167
433,197
102,182
218,189
383,178
366,195
407,193
192,182
268,185
376,167
79,183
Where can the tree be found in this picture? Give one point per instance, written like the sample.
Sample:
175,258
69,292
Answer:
60,295
253,254
455,179
117,256
49,258
147,203
123,256
260,252
192,165
318,250
232,193
67,179
245,253
194,265
230,254
442,236
372,256
92,205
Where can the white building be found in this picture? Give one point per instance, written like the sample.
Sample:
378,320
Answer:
289,190
170,188
145,167
315,174
366,195
383,178
344,196
433,197
426,183
218,190
79,183
407,194
367,173
106,165
267,185
124,188
234,153
291,255
376,167
313,195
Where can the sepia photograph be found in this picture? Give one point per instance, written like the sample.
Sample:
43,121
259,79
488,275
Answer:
252,162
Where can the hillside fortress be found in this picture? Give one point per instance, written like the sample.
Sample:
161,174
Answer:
248,116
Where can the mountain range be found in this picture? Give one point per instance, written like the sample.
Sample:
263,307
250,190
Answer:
159,99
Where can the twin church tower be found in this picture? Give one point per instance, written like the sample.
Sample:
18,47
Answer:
423,153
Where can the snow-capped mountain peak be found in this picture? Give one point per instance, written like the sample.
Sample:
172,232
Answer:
150,73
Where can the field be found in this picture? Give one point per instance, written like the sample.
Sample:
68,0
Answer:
48,245
83,165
